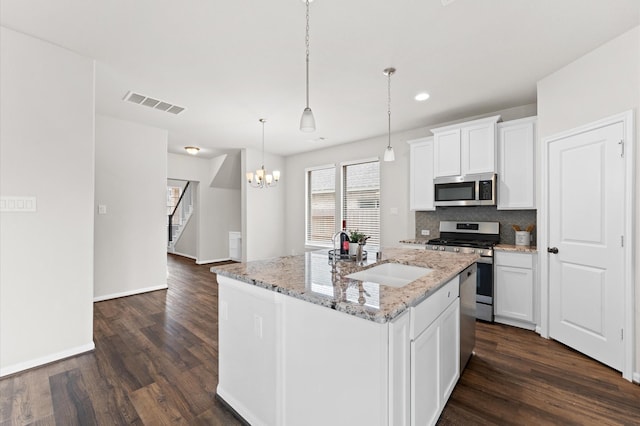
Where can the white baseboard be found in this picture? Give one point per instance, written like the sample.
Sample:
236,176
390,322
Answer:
204,262
16,368
130,292
515,323
239,408
636,377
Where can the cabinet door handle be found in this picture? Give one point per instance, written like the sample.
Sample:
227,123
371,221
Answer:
553,250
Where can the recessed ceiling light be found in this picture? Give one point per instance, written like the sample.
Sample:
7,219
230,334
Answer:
422,96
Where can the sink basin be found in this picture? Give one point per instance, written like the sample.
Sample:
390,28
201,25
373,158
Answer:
391,274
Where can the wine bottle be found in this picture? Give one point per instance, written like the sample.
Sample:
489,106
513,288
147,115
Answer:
344,240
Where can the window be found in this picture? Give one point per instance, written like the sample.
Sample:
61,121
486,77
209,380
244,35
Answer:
361,199
360,202
321,205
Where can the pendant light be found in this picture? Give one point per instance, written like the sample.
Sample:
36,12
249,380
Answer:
388,153
307,122
262,178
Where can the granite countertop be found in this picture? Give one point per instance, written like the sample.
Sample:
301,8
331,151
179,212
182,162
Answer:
511,247
308,277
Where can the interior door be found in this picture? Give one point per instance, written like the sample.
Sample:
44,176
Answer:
586,258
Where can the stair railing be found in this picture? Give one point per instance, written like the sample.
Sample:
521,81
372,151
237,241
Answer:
184,191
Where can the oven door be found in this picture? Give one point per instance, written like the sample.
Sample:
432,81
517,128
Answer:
484,289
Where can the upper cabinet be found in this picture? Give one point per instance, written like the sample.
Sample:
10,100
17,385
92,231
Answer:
421,174
516,164
465,148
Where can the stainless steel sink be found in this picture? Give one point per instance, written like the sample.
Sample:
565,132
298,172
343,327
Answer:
391,274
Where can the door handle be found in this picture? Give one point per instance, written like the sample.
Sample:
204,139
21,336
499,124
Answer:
553,250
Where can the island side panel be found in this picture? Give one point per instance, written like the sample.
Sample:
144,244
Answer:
335,367
248,341
400,370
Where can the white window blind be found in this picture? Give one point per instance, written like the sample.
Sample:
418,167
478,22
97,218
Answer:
361,199
321,208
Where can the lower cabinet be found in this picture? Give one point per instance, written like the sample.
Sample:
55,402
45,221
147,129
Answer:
515,289
284,361
435,366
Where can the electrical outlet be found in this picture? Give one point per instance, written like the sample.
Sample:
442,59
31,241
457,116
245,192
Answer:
425,232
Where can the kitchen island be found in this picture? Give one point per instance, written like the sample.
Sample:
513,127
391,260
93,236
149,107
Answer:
300,344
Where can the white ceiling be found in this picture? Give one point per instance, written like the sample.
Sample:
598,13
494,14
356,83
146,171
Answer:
230,63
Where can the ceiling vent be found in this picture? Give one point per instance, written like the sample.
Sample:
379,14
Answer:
139,99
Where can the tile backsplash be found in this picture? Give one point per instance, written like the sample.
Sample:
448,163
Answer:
507,218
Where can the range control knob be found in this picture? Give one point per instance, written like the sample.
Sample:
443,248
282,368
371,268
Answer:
435,247
457,249
442,248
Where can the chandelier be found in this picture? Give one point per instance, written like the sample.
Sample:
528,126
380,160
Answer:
261,178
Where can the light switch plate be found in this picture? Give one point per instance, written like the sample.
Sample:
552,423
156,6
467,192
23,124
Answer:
102,209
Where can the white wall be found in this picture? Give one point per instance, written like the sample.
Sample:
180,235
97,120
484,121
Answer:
217,209
187,244
131,181
602,83
394,180
47,149
264,210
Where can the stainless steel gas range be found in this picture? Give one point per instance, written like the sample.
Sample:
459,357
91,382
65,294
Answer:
473,237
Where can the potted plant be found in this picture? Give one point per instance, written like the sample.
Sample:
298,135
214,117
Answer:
355,238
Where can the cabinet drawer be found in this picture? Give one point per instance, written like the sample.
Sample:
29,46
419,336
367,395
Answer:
516,260
431,308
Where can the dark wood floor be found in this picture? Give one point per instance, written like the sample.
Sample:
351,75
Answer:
155,363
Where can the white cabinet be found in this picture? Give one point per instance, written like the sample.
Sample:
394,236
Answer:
449,350
515,289
435,366
435,352
465,148
421,174
447,152
516,164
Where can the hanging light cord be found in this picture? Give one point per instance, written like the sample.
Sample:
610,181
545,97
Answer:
307,44
389,106
262,120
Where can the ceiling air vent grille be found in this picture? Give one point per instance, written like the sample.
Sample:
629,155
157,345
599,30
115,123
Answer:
139,99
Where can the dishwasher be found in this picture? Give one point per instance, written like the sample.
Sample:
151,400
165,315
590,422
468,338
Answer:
467,314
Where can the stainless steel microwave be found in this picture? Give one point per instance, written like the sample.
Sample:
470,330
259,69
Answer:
469,190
